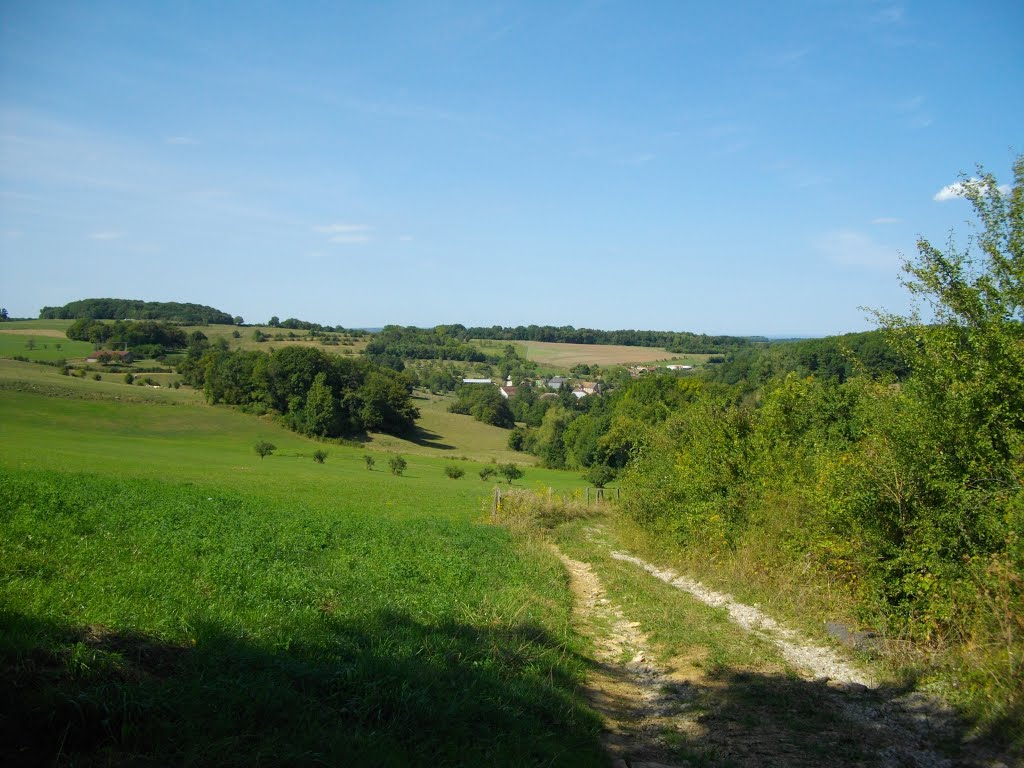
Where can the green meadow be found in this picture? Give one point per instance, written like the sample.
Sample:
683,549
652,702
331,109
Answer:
168,596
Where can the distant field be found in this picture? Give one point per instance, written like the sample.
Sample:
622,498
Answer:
40,344
246,338
559,355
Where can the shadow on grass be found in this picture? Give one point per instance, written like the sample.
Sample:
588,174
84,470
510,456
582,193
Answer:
748,719
388,691
427,439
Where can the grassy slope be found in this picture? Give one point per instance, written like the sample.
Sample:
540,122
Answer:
453,435
166,592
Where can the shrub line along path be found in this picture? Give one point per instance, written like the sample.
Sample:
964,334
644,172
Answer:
672,712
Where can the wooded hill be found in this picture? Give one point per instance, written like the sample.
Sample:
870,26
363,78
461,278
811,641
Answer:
134,309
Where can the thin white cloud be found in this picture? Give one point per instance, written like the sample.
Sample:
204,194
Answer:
405,238
340,229
182,140
350,239
106,235
886,220
960,189
847,246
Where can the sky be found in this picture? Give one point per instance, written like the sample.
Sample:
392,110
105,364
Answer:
724,167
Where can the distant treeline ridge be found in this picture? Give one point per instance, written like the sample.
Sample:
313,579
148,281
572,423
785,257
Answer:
134,309
673,341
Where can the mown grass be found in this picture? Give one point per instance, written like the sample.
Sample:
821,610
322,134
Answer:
444,434
168,595
40,347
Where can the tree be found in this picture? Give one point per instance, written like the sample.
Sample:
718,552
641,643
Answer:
510,472
3,314
397,464
599,475
319,455
454,472
264,449
129,379
237,320
486,473
370,461
321,410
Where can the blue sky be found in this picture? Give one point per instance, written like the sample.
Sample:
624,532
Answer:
712,167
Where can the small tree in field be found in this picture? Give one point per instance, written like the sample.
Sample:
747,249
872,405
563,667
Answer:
397,464
599,475
510,472
263,448
370,461
487,473
319,455
454,472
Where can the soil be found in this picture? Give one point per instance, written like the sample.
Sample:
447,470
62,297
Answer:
683,711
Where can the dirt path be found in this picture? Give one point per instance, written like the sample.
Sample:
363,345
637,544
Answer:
638,700
685,711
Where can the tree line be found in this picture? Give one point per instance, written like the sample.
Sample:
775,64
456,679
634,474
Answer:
134,309
315,393
673,341
135,334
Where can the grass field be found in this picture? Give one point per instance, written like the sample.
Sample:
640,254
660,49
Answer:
557,355
166,595
445,434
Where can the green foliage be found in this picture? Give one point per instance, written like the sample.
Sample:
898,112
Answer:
441,343
599,475
680,342
264,448
487,472
484,403
397,464
453,471
321,410
142,333
319,455
316,393
510,472
123,309
907,496
369,461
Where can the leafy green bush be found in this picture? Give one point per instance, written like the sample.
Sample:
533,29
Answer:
264,448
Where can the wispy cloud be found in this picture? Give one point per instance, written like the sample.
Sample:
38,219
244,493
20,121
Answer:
847,246
346,234
886,220
350,239
961,188
335,229
182,140
106,235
